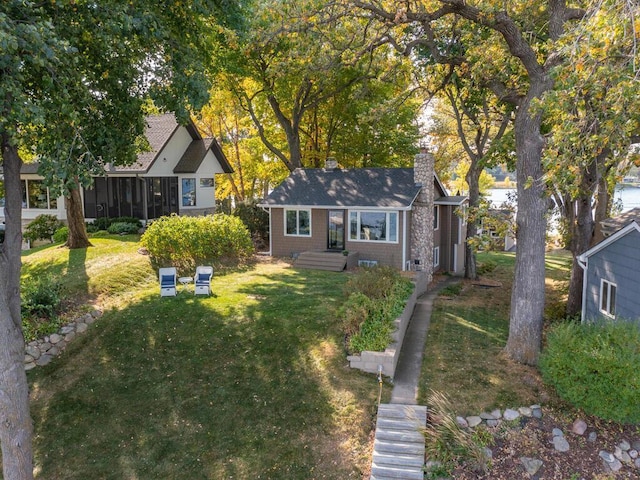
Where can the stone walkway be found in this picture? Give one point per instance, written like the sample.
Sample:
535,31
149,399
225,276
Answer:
399,440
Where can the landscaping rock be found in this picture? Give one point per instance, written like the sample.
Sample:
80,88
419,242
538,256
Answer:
510,414
462,422
624,445
606,456
531,465
497,414
593,436
44,360
560,443
579,427
536,410
487,416
55,338
622,455
82,327
525,411
474,421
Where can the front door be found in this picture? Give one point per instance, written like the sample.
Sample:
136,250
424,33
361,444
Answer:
336,230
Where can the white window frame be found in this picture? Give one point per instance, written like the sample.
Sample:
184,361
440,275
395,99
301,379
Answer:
609,310
297,234
436,217
388,233
436,257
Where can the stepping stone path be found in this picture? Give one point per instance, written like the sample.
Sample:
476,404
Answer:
40,352
398,450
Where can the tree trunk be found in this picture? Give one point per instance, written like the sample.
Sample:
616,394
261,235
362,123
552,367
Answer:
15,422
528,293
582,230
78,237
473,180
603,208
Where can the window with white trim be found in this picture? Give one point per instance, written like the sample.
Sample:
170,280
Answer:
372,226
608,298
436,257
297,223
436,217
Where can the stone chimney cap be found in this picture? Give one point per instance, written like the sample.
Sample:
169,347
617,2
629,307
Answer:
330,164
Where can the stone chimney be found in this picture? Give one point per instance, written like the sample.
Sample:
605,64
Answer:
422,213
330,164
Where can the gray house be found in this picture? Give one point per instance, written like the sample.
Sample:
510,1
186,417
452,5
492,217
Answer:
611,283
402,217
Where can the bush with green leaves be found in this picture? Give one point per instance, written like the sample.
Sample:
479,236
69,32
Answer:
123,228
43,227
255,218
185,242
61,235
594,366
376,297
40,304
103,223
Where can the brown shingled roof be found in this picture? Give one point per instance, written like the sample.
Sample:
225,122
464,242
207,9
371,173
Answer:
612,225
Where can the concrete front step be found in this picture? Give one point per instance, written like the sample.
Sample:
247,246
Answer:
387,446
402,473
397,459
335,262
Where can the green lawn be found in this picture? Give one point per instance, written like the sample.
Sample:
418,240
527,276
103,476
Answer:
468,331
251,382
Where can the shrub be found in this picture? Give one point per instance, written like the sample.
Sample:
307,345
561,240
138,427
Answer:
486,267
450,444
61,235
42,228
186,242
256,220
123,228
595,367
103,223
376,297
40,304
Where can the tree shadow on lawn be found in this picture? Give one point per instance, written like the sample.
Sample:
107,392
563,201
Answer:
192,387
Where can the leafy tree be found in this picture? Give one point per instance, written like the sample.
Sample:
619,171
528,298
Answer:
311,86
592,120
513,48
72,78
478,124
254,169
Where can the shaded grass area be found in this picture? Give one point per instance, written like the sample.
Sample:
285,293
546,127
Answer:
468,331
251,382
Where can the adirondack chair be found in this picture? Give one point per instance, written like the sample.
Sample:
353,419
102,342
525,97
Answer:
202,280
167,277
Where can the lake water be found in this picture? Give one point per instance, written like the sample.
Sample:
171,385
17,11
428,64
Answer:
629,197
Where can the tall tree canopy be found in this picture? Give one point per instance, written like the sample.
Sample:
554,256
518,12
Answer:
316,89
73,75
519,50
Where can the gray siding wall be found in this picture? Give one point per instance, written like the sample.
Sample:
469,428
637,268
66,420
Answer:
619,263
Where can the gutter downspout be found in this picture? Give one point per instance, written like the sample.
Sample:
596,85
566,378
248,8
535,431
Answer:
584,264
405,240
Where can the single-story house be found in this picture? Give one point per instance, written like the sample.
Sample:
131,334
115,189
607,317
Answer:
177,175
496,229
612,276
371,213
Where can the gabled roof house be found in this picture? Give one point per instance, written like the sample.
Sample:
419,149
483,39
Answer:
401,217
177,175
611,279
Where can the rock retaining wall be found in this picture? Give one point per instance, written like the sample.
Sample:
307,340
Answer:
40,352
371,361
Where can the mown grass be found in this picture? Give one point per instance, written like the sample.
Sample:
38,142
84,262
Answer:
469,328
248,383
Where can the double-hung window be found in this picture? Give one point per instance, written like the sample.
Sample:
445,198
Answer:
297,223
370,226
608,298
